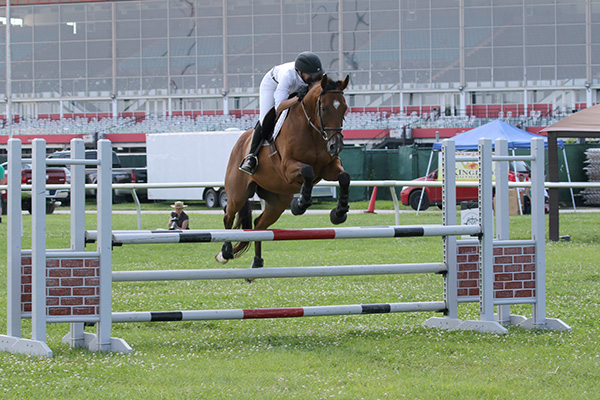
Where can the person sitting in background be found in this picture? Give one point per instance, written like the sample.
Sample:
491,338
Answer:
179,220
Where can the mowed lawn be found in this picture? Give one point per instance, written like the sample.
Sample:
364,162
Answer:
386,356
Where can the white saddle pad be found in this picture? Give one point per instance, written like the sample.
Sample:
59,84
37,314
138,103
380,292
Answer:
278,125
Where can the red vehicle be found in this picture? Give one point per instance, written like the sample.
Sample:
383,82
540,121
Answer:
410,195
54,175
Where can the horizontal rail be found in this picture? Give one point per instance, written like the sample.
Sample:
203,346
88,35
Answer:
183,185
282,272
71,161
290,312
230,235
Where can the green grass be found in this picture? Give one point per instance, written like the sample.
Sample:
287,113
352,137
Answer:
345,357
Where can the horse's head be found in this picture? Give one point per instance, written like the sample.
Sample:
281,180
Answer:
330,110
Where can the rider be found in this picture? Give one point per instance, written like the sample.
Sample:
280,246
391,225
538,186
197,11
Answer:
275,89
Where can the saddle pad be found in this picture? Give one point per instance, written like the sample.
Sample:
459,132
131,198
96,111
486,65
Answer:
278,125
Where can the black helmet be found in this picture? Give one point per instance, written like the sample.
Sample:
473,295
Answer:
309,63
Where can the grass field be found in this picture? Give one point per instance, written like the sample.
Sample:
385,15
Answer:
386,356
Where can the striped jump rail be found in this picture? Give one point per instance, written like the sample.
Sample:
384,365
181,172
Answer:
288,312
249,235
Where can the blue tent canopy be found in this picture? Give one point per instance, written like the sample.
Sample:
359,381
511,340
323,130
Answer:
517,138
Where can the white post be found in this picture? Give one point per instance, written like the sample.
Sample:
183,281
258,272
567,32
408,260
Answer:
486,257
449,218
502,210
538,230
76,337
104,244
448,171
486,324
38,237
538,233
15,225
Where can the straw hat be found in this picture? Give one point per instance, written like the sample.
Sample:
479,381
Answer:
178,204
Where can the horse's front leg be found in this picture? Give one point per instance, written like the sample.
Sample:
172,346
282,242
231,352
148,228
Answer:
335,171
301,204
340,212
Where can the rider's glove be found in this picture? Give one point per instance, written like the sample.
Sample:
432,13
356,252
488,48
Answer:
302,92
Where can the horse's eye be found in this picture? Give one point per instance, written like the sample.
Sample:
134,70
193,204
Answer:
323,109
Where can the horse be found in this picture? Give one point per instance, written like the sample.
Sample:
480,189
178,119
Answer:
305,151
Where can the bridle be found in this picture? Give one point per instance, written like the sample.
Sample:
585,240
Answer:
324,129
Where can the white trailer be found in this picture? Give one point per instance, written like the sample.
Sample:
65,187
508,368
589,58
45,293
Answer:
189,157
195,157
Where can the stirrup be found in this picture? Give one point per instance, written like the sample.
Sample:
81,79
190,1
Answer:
246,164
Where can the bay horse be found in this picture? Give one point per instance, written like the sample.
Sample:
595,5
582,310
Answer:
304,152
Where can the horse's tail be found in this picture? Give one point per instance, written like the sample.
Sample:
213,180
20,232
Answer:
243,221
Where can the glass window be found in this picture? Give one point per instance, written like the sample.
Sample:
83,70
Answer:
239,26
267,44
357,41
99,69
128,10
360,21
444,18
417,39
183,66
385,40
210,27
128,29
155,48
154,66
540,55
540,35
210,46
182,47
22,70
570,55
508,37
182,27
45,51
508,56
296,23
154,28
128,67
268,24
152,9
73,69
71,31
98,49
45,70
570,34
481,57
98,30
126,48
444,38
99,11
478,17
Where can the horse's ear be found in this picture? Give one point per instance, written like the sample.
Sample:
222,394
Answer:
345,82
324,82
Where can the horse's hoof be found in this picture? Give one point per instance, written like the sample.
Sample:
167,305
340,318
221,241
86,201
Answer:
258,262
337,219
297,207
227,251
219,257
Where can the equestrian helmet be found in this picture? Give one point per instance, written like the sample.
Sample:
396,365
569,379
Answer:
309,63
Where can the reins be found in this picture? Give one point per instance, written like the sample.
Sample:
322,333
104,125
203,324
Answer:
324,129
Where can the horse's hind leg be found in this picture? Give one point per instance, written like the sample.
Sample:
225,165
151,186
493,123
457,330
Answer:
338,215
301,204
275,205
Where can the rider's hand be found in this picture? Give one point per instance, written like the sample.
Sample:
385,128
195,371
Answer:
302,92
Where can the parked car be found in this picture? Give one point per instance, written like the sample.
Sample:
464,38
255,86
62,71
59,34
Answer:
119,174
410,195
54,176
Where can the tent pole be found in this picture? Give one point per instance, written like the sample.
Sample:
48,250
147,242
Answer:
569,177
518,189
426,175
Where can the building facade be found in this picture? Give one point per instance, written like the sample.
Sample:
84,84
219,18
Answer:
451,57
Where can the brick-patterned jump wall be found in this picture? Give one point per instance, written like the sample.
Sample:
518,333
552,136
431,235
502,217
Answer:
72,286
514,271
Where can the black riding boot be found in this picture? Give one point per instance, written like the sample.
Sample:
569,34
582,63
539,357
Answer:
250,162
